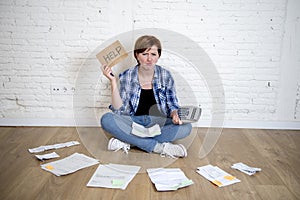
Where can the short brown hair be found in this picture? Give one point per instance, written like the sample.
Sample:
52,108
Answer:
144,43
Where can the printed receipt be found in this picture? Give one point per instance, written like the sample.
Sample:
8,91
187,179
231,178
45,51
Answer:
47,156
245,168
54,146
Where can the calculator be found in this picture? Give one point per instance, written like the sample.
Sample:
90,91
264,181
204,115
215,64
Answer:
189,114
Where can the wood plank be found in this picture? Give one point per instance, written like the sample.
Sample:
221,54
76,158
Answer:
281,156
274,192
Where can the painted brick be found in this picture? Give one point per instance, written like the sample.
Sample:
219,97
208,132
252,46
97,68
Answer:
49,42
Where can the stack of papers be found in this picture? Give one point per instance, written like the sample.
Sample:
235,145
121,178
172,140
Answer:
217,175
245,168
141,131
69,164
54,146
113,176
168,179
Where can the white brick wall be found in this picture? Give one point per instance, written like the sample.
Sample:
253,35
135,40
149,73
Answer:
46,43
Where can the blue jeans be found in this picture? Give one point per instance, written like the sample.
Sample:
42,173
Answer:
120,127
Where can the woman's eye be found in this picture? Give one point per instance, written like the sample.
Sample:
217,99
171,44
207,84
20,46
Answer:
153,54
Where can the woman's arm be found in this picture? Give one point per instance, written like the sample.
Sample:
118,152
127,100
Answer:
172,100
116,100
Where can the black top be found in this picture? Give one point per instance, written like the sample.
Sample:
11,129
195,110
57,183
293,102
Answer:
147,104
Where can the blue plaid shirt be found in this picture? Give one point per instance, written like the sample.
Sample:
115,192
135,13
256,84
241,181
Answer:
163,89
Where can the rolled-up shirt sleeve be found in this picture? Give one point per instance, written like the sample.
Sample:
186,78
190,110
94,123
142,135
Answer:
165,92
123,95
171,98
128,92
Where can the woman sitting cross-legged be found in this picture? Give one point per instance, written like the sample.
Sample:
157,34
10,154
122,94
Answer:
147,97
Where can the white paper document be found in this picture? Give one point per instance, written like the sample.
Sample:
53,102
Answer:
47,156
141,131
168,179
245,168
69,164
54,146
113,176
217,175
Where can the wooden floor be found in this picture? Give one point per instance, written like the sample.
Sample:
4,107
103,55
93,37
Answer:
277,152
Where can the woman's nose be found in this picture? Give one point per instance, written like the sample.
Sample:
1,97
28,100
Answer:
149,57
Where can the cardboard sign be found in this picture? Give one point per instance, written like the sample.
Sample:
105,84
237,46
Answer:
112,54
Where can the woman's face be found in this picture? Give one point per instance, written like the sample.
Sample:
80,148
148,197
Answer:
148,58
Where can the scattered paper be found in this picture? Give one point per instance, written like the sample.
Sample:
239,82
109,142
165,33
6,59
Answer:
168,179
69,164
113,176
47,156
141,131
217,175
54,146
245,168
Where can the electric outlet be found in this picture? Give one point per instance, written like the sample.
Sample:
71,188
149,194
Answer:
62,89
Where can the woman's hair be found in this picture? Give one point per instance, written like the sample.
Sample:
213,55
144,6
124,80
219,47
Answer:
144,43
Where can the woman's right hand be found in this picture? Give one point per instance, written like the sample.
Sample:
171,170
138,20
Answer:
108,73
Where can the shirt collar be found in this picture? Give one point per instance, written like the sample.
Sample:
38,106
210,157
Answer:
136,73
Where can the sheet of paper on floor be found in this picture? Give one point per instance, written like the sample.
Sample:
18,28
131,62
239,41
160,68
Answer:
168,179
69,164
245,168
217,176
47,156
53,146
113,176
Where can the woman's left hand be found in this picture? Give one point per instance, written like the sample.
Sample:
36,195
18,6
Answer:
176,118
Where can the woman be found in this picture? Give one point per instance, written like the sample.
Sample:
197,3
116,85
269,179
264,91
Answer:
147,97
